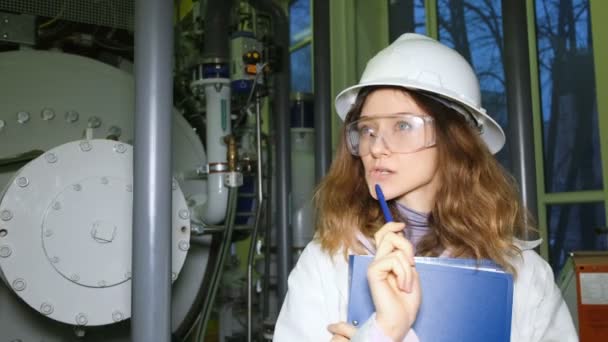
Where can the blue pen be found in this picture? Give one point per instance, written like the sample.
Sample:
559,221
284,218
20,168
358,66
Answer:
387,213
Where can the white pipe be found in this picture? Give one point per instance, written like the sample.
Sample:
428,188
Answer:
303,184
217,100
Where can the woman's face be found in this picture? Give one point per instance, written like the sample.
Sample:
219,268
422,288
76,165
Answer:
410,178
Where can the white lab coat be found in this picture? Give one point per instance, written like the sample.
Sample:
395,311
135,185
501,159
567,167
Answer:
318,296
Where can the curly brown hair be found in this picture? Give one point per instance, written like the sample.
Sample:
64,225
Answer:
477,212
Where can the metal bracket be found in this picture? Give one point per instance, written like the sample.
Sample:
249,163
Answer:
233,179
18,28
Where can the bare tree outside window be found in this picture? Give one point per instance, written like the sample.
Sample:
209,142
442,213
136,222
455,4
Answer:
570,124
569,108
474,29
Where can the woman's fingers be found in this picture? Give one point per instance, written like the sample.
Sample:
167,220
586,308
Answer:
391,242
342,329
395,289
396,263
406,281
390,227
394,254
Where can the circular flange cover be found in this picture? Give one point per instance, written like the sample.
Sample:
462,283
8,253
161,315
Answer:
66,232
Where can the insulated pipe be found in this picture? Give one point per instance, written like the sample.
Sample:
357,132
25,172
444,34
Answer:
216,53
152,193
322,88
224,250
519,102
283,160
216,41
217,104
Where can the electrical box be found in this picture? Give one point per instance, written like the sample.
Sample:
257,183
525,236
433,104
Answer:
584,284
246,52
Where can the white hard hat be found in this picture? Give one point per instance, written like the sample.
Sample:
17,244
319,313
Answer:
418,62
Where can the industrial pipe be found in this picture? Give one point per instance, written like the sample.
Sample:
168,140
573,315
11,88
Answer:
216,83
216,40
519,102
152,192
258,218
282,132
322,88
217,103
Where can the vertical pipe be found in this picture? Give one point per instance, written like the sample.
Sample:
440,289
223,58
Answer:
151,261
215,74
258,217
519,101
281,114
280,111
267,236
217,104
283,160
216,39
401,18
322,88
220,262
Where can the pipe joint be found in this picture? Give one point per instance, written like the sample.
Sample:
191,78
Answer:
232,152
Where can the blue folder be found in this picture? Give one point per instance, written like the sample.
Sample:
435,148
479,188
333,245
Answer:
462,299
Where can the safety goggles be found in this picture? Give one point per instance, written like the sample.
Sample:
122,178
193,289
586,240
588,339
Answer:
399,133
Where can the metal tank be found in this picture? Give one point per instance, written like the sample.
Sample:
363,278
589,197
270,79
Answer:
66,170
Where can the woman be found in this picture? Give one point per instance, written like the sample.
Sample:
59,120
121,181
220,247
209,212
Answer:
415,126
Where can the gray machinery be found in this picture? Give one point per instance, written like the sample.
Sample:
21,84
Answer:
66,171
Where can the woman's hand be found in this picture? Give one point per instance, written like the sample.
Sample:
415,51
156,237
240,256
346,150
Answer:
342,331
394,282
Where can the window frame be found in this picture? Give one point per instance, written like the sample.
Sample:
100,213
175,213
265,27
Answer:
598,11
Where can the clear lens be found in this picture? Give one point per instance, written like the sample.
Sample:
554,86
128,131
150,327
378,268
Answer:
398,133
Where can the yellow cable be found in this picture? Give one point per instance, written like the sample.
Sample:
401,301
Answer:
43,25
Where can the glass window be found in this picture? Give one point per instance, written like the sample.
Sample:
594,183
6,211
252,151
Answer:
301,70
567,87
405,16
474,29
575,227
299,21
301,55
